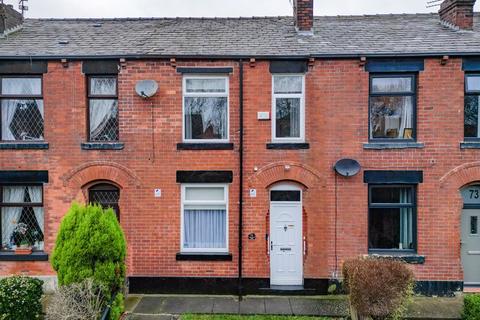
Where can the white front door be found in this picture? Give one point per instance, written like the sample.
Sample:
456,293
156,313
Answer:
286,245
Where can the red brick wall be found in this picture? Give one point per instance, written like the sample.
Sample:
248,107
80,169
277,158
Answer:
458,13
336,127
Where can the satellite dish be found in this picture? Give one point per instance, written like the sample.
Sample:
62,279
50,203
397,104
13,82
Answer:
146,88
347,167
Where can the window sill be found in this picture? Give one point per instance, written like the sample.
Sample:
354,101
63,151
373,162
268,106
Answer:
23,145
470,145
204,257
407,257
288,146
393,145
205,146
34,256
103,146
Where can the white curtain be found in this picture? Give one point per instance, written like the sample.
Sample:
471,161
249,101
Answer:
18,86
407,116
101,111
11,215
212,112
205,229
288,84
206,85
36,197
103,86
406,220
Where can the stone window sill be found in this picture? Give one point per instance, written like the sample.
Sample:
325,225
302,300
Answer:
34,256
205,146
410,258
393,145
204,257
288,146
103,146
470,145
21,145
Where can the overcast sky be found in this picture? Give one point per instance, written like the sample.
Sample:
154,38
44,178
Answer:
211,8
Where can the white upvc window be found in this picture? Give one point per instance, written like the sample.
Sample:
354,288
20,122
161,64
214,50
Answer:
205,109
204,218
288,108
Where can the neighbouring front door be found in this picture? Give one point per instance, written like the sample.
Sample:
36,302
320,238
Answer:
286,245
471,236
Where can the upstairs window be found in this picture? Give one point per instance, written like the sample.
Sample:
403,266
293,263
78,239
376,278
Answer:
392,107
392,218
472,102
205,103
22,109
204,218
288,108
103,109
22,217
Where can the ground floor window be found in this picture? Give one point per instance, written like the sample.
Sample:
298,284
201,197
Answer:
392,218
22,216
204,218
106,195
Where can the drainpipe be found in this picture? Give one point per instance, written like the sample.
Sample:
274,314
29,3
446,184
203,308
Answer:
240,202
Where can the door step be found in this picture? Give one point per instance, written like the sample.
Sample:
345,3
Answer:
471,289
288,290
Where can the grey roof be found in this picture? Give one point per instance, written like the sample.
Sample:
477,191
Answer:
399,34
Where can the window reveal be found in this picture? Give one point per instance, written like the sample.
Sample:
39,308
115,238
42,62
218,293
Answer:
288,107
392,218
205,109
22,216
392,107
205,218
103,109
22,109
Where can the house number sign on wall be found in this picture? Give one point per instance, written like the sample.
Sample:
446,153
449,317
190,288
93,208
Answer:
471,195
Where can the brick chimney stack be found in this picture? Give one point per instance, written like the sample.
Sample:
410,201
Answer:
303,14
457,13
10,19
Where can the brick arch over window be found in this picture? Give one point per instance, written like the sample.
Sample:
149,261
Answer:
100,171
277,172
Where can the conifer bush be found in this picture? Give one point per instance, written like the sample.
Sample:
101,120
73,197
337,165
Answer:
471,309
90,244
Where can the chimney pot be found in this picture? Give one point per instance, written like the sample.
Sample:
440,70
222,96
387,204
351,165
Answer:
303,14
457,13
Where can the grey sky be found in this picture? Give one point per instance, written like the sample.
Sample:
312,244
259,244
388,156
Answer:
209,8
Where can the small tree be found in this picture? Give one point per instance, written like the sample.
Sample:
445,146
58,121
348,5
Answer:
378,288
90,244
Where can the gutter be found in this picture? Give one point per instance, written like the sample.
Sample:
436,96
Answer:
242,57
240,196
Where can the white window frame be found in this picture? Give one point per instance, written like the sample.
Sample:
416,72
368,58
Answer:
288,95
186,94
203,203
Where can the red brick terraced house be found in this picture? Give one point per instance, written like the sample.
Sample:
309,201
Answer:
248,154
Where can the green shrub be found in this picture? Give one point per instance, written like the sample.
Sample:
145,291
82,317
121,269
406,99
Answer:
117,308
20,298
90,244
471,309
378,288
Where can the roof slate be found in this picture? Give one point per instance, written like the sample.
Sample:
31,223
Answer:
370,35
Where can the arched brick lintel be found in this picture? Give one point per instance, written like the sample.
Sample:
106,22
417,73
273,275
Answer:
284,171
100,170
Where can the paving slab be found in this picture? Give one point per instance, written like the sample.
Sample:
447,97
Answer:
435,308
131,301
228,305
278,306
150,305
305,307
252,306
180,305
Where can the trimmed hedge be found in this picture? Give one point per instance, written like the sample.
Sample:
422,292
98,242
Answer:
471,309
20,298
90,244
